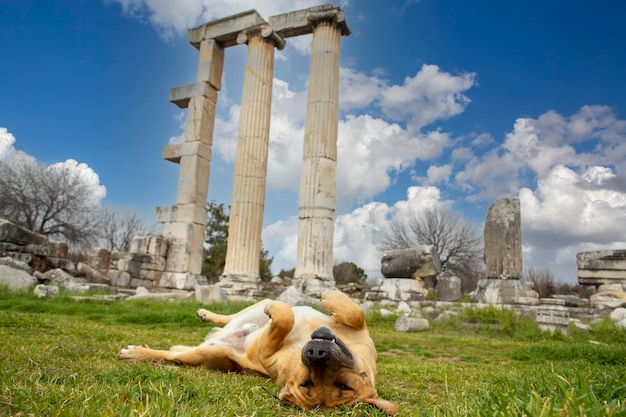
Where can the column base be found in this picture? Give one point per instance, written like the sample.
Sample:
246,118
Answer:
314,287
240,288
181,280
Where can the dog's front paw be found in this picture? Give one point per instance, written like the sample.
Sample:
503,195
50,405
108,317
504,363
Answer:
131,353
333,298
203,314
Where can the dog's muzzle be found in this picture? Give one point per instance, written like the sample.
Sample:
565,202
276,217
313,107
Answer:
324,349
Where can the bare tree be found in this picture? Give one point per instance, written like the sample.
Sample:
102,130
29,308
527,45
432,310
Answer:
454,239
53,201
117,229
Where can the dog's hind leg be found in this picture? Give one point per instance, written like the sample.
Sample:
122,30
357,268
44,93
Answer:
213,357
223,319
343,309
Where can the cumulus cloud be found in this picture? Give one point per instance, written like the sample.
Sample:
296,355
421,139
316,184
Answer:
357,233
6,143
9,154
430,95
85,174
437,174
536,146
571,212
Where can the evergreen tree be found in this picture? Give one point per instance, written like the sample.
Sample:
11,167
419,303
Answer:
216,240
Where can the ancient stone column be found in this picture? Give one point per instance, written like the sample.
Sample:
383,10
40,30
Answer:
503,257
241,271
184,223
503,239
316,211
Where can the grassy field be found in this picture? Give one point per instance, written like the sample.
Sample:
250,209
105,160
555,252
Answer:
58,358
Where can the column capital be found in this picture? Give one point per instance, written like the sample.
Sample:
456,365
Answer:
333,16
265,31
302,22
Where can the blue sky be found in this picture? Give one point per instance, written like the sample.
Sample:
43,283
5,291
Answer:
443,103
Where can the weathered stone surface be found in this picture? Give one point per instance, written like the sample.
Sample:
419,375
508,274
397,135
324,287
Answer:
301,22
208,294
602,267
99,259
411,324
138,282
155,246
552,315
500,291
180,281
608,299
58,277
571,300
448,287
46,291
12,233
248,196
15,279
118,278
421,261
92,274
293,297
618,314
316,207
397,289
174,295
503,239
14,263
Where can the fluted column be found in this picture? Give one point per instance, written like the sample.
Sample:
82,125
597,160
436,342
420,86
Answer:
316,212
241,271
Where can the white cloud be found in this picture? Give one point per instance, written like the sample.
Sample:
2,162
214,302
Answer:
357,233
358,90
536,146
570,213
570,175
438,174
428,96
9,154
6,143
87,176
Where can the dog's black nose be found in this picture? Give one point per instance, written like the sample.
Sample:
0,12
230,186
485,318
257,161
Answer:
317,351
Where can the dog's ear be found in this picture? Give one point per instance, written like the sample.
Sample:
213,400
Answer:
286,395
387,407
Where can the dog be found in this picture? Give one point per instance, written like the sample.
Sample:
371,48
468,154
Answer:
320,361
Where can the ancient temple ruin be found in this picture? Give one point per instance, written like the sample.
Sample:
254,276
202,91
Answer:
503,257
184,222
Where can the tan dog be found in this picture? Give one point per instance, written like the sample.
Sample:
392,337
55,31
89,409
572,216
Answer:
319,361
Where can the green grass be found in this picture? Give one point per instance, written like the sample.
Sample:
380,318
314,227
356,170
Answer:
58,358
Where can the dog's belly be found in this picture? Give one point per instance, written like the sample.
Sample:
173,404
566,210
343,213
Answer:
245,329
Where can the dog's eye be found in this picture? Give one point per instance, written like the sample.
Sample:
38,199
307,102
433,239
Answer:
343,387
307,384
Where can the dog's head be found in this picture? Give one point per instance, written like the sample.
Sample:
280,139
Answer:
332,374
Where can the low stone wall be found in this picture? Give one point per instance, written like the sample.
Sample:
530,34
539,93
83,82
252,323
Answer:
142,266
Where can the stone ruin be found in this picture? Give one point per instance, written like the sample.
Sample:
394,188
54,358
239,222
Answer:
184,223
503,257
408,275
604,272
174,260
